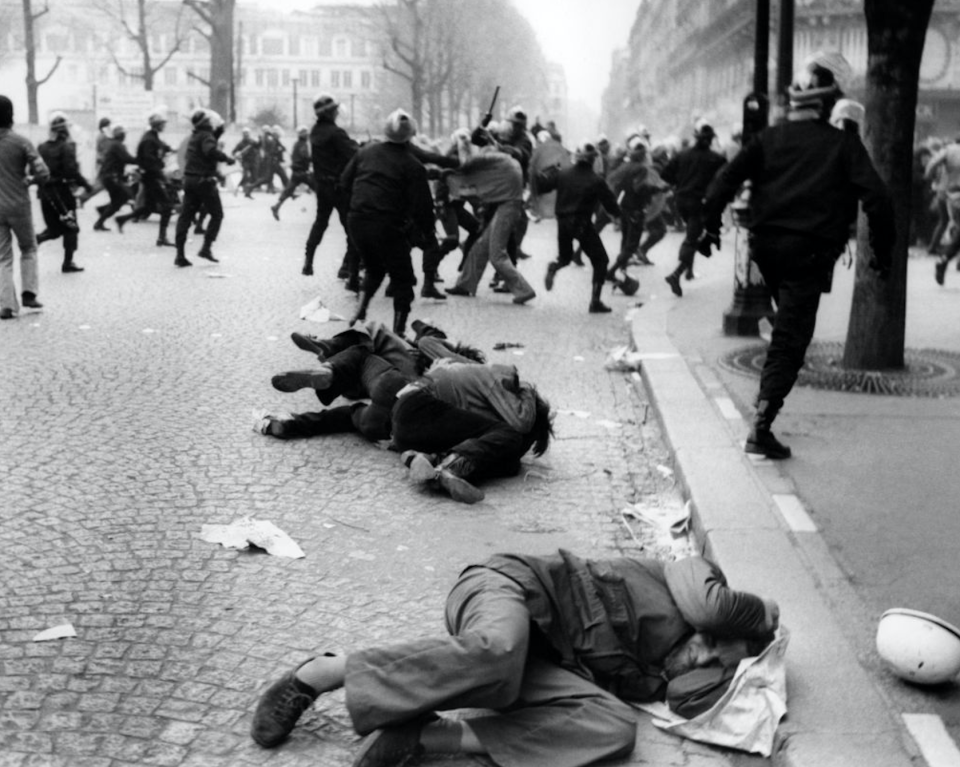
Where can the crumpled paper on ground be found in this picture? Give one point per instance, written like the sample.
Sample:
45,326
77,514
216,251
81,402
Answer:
242,532
747,715
621,358
317,311
63,631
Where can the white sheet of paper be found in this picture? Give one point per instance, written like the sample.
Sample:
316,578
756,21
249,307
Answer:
63,631
242,532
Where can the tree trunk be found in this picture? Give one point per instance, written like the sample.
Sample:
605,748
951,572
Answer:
144,43
895,36
33,113
221,58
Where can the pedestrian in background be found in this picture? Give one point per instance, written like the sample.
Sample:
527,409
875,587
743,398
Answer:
116,158
151,154
104,137
200,182
331,149
690,173
806,177
57,201
19,161
299,169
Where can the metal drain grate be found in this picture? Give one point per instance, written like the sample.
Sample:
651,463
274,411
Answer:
927,372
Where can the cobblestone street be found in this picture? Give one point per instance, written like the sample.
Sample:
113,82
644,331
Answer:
126,426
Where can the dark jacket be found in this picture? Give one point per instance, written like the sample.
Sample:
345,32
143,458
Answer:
115,159
203,154
615,621
60,157
691,172
807,177
150,153
384,180
300,156
248,148
579,191
331,149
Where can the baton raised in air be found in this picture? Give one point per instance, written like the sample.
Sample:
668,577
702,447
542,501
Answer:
489,115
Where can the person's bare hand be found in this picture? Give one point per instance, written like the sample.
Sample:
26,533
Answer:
771,614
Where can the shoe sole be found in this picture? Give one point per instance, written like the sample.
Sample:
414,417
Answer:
421,470
303,342
754,449
294,381
520,300
459,489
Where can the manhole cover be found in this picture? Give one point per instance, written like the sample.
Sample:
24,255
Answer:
927,372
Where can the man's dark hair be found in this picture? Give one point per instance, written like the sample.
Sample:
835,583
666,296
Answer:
6,112
542,425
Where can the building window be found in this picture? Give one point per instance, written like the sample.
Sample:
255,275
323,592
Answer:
334,79
365,80
272,46
314,78
285,77
359,49
169,75
294,45
302,77
252,45
340,48
272,79
348,79
258,77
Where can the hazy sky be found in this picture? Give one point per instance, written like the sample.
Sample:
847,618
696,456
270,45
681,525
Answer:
579,34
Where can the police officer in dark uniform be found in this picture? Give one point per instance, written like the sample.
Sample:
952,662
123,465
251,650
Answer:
112,166
57,202
200,183
299,169
151,152
331,149
806,179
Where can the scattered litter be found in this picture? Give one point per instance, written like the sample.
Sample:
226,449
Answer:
63,631
83,327
217,275
621,358
501,345
575,413
401,547
272,338
329,525
665,470
672,520
347,524
578,358
246,531
533,473
430,568
148,330
519,353
366,556
609,424
216,335
34,324
317,311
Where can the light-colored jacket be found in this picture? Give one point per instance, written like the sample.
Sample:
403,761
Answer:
18,160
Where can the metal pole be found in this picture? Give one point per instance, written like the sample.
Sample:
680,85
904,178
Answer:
294,103
785,52
751,299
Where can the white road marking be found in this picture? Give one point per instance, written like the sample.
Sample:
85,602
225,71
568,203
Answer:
933,740
794,514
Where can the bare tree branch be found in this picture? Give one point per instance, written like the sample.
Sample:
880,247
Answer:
52,70
199,79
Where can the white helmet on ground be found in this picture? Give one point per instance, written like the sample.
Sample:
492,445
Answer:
919,647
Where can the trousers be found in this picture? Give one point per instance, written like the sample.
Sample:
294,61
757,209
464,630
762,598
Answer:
545,716
19,225
793,267
491,247
570,228
199,194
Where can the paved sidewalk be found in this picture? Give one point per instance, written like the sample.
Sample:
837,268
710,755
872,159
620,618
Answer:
820,531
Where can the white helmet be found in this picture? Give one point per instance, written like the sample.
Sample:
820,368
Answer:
919,647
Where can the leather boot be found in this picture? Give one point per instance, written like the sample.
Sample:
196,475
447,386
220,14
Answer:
552,268
429,289
361,313
596,305
400,321
307,270
761,441
68,265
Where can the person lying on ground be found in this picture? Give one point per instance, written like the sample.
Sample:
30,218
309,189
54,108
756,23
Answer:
554,646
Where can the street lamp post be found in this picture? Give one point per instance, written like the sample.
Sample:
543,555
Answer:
294,80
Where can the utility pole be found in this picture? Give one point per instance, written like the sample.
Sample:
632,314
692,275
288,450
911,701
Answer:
751,299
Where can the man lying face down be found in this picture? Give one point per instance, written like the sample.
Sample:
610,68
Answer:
554,646
455,419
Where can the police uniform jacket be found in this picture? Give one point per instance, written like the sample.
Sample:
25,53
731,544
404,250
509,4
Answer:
115,159
580,190
60,156
331,149
203,154
615,621
300,156
150,153
691,172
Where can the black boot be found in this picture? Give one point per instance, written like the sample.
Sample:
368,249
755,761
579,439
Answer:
121,220
552,268
181,259
429,289
400,321
361,313
761,441
673,280
68,265
596,305
307,270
